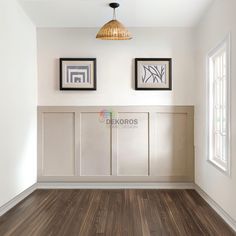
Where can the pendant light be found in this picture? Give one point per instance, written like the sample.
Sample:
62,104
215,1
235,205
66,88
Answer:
114,30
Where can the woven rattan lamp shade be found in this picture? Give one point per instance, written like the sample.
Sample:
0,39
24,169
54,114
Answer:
114,30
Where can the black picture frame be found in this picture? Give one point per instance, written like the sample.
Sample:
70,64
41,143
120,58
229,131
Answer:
93,60
169,60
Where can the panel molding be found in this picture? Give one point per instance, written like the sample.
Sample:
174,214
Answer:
95,145
170,147
77,139
141,151
48,165
151,112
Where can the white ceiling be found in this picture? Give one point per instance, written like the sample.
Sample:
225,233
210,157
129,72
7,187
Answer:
133,13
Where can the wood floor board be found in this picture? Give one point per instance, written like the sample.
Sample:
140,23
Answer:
113,213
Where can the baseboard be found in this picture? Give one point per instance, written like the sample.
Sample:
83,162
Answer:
220,211
66,185
6,207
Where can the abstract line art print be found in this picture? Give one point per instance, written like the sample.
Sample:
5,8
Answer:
153,74
77,74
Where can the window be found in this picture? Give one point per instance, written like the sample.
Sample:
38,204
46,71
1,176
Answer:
219,106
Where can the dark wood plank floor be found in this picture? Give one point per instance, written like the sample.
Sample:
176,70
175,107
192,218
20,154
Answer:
113,212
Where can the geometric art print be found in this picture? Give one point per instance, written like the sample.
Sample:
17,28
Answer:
77,73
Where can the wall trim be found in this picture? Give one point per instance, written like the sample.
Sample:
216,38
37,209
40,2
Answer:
65,185
17,199
219,210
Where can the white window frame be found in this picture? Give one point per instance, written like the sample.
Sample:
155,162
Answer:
224,167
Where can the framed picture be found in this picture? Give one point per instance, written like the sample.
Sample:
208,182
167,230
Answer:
153,74
77,74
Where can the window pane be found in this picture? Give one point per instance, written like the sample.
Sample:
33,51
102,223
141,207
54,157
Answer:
224,122
217,120
223,148
218,108
224,64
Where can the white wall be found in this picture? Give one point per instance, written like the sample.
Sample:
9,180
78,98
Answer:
115,66
18,100
219,20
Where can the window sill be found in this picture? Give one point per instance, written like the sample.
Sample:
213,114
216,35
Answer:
221,168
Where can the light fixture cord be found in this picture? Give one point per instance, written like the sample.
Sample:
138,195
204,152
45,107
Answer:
114,14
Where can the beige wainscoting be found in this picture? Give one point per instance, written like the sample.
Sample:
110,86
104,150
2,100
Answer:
78,144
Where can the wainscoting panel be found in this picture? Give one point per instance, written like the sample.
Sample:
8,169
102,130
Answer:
133,144
116,144
170,144
58,144
95,136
